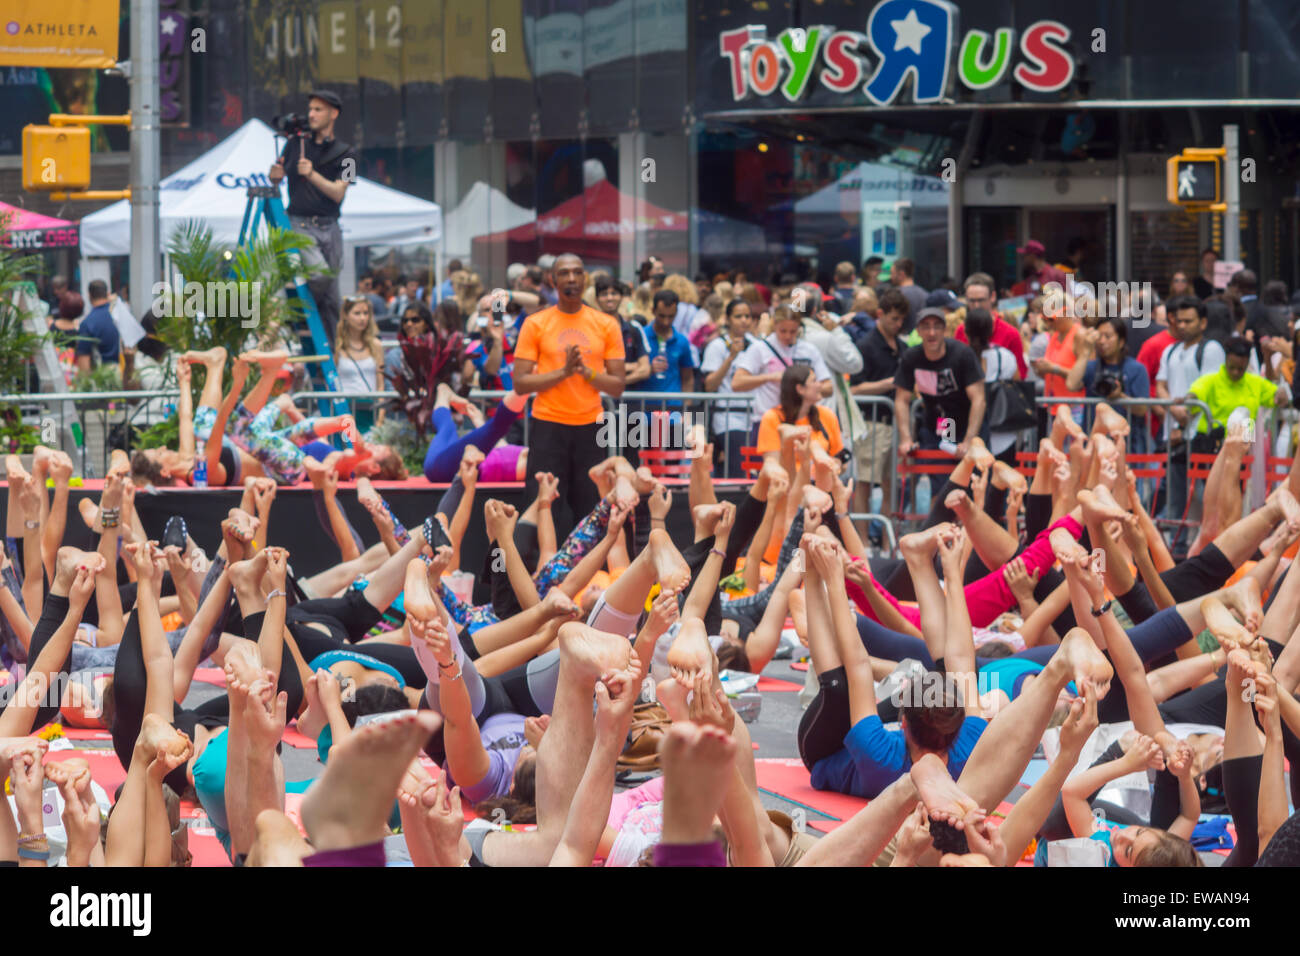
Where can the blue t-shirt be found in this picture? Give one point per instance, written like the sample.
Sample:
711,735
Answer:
99,327
1137,384
874,757
1103,836
1008,674
677,350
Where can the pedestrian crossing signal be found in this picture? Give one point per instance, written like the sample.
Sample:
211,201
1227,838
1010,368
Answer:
1195,179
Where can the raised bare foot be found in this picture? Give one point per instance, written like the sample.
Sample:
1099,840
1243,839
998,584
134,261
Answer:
1099,506
691,657
773,480
1085,661
239,525
268,360
69,559
816,499
1287,506
1004,476
1229,632
278,842
942,797
558,604
697,761
958,502
706,517
42,458
1065,421
211,357
673,571
248,574
593,653
922,545
349,803
1107,420
979,453
61,771
1066,548
367,496
418,597
672,696
157,734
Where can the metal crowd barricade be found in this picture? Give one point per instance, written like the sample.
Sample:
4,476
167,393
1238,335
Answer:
654,421
83,423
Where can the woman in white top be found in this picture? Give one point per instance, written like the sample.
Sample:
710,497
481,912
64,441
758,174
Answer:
359,356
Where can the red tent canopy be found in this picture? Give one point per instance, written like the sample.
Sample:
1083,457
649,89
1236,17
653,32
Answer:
589,225
31,230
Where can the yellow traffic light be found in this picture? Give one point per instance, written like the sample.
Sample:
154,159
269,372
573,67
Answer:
56,158
1194,179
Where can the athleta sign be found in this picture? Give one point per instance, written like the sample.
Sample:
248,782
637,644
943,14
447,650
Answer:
916,38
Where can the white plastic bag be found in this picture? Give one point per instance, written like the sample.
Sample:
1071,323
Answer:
1078,851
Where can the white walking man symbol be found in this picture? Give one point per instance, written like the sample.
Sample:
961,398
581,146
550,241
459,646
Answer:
1187,181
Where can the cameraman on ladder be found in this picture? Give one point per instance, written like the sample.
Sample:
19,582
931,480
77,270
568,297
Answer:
319,168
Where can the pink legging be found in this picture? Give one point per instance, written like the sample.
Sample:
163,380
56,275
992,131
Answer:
986,598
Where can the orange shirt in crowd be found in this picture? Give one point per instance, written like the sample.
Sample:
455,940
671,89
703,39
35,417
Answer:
769,436
545,339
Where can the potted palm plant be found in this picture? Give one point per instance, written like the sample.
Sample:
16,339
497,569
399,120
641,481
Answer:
18,343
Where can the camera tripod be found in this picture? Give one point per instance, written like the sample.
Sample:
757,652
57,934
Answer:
264,205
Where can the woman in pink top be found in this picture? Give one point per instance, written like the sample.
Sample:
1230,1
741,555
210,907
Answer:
500,462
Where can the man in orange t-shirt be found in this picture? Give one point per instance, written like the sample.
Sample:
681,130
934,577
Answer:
568,354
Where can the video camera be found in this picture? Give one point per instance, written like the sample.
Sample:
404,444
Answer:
292,124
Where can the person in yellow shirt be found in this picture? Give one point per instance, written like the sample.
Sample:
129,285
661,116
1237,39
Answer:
1233,387
568,355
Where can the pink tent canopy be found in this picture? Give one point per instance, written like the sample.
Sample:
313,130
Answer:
31,230
589,225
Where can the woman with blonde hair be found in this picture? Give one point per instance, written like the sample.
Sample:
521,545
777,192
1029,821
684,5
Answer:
359,355
468,288
642,308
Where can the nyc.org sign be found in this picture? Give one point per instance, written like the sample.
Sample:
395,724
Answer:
904,37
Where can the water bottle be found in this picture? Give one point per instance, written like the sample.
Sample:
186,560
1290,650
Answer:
200,475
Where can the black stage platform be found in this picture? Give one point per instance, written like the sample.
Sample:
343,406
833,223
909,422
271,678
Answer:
294,523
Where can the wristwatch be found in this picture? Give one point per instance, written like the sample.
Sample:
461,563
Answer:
1098,612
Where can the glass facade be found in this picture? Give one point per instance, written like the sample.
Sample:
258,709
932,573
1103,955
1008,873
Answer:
763,134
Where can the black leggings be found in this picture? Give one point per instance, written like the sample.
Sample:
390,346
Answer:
749,515
53,613
827,719
312,643
348,617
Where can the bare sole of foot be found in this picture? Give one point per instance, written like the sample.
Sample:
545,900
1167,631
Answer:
979,453
418,598
691,657
1004,476
591,652
278,841
671,568
349,803
1086,662
157,734
697,761
944,800
213,356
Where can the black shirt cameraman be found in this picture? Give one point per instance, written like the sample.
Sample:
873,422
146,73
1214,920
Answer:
319,168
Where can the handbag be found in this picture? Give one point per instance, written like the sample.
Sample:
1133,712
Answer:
649,727
1010,403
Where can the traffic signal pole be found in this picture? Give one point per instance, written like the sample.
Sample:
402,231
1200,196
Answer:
146,154
1231,196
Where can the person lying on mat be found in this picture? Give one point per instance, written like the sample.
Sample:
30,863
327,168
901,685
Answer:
485,445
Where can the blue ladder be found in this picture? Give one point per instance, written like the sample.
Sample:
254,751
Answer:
264,204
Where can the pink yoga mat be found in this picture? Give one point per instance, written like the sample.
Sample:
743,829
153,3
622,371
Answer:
777,684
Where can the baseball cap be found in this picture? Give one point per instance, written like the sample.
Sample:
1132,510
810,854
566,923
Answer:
1032,248
931,313
327,96
942,299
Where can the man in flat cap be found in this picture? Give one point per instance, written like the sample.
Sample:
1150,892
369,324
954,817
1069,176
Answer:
319,168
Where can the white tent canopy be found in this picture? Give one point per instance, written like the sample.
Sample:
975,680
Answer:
878,183
213,188
483,211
